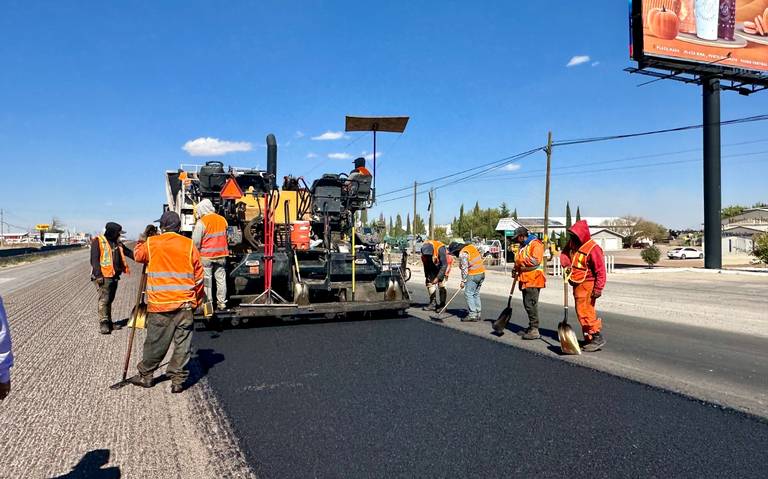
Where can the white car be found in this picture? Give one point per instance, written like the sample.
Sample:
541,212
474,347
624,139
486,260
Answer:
685,253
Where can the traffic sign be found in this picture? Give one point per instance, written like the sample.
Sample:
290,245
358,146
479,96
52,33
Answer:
42,227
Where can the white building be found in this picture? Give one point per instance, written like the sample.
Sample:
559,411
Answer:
739,231
608,239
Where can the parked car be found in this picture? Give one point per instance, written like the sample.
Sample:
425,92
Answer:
685,253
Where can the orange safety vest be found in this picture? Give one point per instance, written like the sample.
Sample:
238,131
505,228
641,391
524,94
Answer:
214,243
363,171
476,265
106,261
579,268
534,278
170,272
436,245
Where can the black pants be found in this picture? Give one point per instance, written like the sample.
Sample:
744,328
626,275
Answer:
162,330
531,305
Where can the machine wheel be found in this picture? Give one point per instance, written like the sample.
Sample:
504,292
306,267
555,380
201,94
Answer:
254,232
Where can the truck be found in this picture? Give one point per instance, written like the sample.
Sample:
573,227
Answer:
294,251
51,239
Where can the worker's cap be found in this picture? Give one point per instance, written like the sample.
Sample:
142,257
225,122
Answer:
112,227
169,221
360,161
522,230
455,247
427,249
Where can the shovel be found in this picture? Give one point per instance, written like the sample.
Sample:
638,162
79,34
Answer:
138,319
438,318
501,323
569,344
300,290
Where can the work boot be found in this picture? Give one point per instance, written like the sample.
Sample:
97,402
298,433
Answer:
443,297
105,327
523,331
432,303
176,388
532,333
470,319
141,381
116,326
594,344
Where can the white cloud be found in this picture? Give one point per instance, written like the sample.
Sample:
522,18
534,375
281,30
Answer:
214,147
511,167
340,156
311,155
330,135
594,64
298,134
369,156
578,60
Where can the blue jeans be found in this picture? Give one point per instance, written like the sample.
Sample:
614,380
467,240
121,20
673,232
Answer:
472,294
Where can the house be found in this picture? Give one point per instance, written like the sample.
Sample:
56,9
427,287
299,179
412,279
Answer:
739,231
611,239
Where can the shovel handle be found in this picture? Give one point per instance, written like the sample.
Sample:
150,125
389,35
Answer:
511,292
132,334
565,300
449,301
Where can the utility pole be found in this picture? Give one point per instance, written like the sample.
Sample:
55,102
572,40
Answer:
2,226
713,253
432,213
413,218
546,199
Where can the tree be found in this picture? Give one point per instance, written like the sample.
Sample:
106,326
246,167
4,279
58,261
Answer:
364,217
578,213
504,210
760,248
514,214
476,209
730,211
568,221
651,255
398,226
408,224
460,225
636,228
418,225
391,229
441,235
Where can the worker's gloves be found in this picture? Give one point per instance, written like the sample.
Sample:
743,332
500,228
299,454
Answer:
596,294
150,230
99,280
5,390
461,286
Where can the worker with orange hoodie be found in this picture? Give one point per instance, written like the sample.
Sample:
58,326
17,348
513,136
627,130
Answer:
586,263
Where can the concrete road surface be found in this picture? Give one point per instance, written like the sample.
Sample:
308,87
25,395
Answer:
61,417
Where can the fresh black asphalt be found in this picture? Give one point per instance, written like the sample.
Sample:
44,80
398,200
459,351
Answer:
403,398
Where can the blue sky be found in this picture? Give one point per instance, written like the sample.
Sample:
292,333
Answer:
97,99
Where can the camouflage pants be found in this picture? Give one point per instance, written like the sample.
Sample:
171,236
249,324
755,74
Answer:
106,297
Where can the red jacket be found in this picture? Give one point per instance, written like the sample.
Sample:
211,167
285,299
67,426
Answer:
595,260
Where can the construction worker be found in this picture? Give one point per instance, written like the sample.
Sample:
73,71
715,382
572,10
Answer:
472,277
210,237
360,168
434,257
108,262
529,271
174,290
6,354
586,263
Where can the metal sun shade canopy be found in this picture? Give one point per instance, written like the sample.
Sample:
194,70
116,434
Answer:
392,124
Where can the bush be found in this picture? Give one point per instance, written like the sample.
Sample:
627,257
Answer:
760,248
651,255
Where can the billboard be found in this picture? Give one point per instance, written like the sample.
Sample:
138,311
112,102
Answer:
731,34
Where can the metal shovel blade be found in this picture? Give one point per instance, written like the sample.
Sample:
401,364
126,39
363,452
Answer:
569,343
121,384
300,294
501,323
138,316
391,293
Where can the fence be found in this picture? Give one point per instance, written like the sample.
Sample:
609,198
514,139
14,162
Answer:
557,268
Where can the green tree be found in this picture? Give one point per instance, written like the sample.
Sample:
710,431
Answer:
441,235
504,210
364,217
408,224
391,229
760,248
578,214
476,209
460,225
651,255
418,225
514,214
568,221
398,226
730,211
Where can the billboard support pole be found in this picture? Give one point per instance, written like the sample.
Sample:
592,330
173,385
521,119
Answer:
712,193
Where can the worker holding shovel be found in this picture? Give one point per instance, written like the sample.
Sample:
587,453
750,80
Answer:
587,262
529,271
